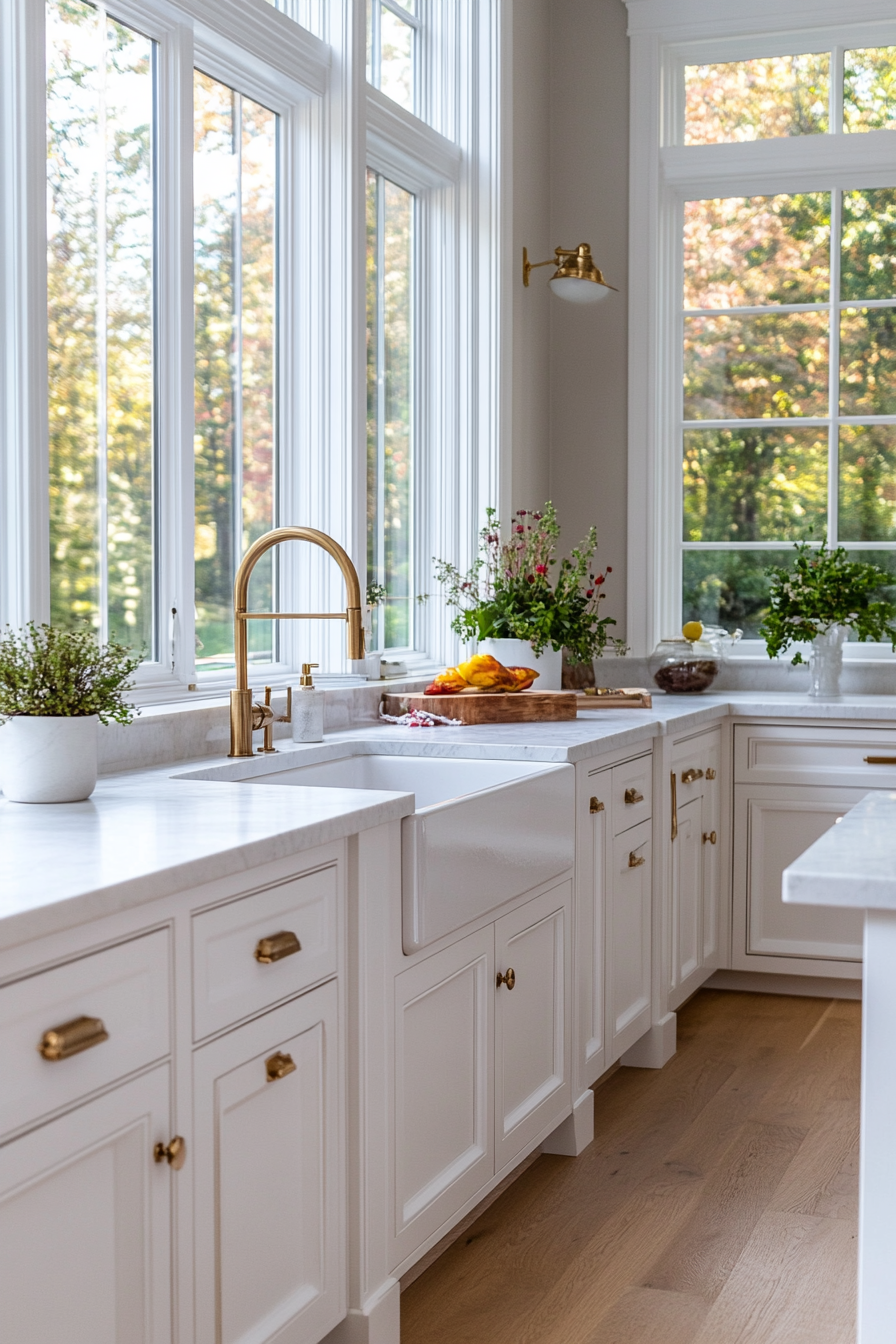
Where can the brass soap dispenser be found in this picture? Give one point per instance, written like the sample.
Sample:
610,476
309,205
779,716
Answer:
307,709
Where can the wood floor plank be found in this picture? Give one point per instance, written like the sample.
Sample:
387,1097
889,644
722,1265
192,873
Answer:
795,1283
823,1178
722,1220
651,1317
688,1165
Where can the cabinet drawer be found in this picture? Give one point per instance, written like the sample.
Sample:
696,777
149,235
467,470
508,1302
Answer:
125,987
230,982
817,755
632,793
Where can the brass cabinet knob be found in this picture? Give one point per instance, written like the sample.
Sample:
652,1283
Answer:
710,774
82,1033
688,776
278,1066
596,805
174,1153
709,837
508,978
278,946
633,796
635,860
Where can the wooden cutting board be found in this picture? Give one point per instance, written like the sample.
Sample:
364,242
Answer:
491,706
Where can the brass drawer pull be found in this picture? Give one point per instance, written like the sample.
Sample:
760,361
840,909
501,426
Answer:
635,860
508,979
688,776
278,946
710,774
174,1153
82,1033
596,805
633,796
880,760
709,837
278,1066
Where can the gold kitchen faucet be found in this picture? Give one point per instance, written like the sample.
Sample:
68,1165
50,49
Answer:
246,716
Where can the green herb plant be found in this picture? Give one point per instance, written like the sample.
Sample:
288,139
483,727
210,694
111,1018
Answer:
509,591
46,670
825,588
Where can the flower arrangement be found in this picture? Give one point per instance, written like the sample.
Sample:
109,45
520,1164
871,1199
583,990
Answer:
49,672
510,592
825,589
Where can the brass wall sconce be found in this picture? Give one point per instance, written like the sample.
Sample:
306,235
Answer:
576,277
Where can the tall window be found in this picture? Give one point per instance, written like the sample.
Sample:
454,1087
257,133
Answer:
390,409
392,35
235,445
789,338
101,304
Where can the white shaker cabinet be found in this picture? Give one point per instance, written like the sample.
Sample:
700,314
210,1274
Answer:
85,1222
696,843
629,918
267,1177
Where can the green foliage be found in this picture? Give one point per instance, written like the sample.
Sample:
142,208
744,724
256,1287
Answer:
46,671
508,592
825,588
376,593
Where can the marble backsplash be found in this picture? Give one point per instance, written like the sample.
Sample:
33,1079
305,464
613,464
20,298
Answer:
185,732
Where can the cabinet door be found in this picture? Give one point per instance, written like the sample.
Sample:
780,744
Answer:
85,1223
444,1031
269,1178
592,829
687,901
774,826
532,1081
712,851
629,907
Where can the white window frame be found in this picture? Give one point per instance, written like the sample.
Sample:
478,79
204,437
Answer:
665,36
332,125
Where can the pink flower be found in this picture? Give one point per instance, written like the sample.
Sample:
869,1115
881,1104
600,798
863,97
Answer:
541,569
519,528
530,578
609,569
600,578
590,592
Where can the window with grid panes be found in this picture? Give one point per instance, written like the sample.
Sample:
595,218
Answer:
789,338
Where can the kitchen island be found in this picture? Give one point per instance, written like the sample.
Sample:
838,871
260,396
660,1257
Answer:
854,866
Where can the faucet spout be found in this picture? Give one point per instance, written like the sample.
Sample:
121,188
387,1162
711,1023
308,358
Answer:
245,717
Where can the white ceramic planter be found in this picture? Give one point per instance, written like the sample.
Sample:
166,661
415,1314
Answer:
518,653
45,759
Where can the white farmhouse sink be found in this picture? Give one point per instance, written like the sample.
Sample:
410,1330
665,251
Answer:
481,833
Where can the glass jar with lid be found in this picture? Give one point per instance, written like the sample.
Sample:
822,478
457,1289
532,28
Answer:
682,666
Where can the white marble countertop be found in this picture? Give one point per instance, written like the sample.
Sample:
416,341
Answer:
853,864
148,833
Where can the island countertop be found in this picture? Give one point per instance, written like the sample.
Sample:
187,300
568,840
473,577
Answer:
853,864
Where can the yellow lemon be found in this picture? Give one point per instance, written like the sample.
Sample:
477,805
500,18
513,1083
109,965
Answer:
692,630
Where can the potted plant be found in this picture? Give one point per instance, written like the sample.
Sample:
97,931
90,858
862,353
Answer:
524,606
818,602
55,686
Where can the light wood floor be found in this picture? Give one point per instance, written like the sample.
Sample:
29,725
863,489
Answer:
717,1204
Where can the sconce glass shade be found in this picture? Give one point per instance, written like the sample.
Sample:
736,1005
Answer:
578,290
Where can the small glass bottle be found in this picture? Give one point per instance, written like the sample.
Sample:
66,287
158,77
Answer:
308,709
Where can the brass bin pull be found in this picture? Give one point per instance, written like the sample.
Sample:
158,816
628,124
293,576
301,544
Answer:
278,946
709,837
82,1033
880,760
596,805
174,1153
674,808
688,776
633,796
508,978
635,860
278,1066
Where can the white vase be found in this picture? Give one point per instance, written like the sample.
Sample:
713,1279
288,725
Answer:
518,653
48,759
826,663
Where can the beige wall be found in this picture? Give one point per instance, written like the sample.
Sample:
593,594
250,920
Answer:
589,204
570,185
530,430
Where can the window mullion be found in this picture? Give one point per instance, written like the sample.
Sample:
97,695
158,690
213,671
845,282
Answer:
380,548
834,367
